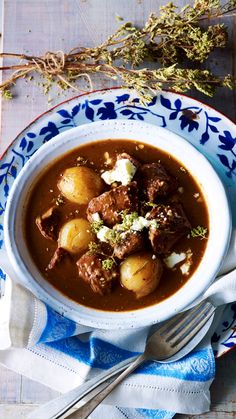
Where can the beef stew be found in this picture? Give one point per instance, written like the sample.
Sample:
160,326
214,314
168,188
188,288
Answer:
116,225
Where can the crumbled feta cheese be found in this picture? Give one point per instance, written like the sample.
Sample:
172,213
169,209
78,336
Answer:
104,234
196,195
185,268
140,223
96,217
174,258
134,222
123,172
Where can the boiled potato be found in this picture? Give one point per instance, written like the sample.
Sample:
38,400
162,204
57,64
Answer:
140,273
75,235
80,184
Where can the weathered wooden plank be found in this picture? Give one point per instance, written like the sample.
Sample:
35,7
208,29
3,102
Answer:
210,415
37,26
223,388
20,411
36,393
67,24
10,411
10,386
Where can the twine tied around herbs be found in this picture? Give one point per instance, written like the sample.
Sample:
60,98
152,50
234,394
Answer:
51,65
54,64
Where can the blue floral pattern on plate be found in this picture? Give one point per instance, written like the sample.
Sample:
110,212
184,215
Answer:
209,131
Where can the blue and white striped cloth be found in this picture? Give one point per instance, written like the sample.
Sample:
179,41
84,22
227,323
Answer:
41,344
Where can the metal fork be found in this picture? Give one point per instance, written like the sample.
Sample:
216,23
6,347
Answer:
162,344
169,338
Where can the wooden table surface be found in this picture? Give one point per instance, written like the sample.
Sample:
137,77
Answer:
37,26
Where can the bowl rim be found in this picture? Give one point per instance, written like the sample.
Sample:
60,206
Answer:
69,307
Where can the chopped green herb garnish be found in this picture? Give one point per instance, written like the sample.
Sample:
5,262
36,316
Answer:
94,247
199,231
97,248
96,226
108,264
127,220
154,223
149,204
114,237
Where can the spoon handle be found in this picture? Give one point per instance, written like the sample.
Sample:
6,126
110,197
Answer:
84,411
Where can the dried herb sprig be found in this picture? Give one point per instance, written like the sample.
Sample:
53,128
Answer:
199,231
167,39
107,263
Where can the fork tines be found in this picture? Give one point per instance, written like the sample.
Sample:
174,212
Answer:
182,328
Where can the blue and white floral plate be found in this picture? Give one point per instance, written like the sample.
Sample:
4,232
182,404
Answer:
208,130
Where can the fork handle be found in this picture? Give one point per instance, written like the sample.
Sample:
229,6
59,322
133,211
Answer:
84,411
56,408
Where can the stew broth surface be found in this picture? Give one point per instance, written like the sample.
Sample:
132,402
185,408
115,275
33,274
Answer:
64,276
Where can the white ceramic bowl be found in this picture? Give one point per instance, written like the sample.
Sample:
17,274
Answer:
187,155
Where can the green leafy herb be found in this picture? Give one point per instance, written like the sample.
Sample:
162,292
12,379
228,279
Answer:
199,231
114,237
167,39
118,18
154,223
96,226
127,220
149,204
108,263
7,94
94,247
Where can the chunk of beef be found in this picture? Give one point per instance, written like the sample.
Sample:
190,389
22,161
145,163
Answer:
130,158
59,254
111,203
155,181
131,243
91,271
48,223
172,224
